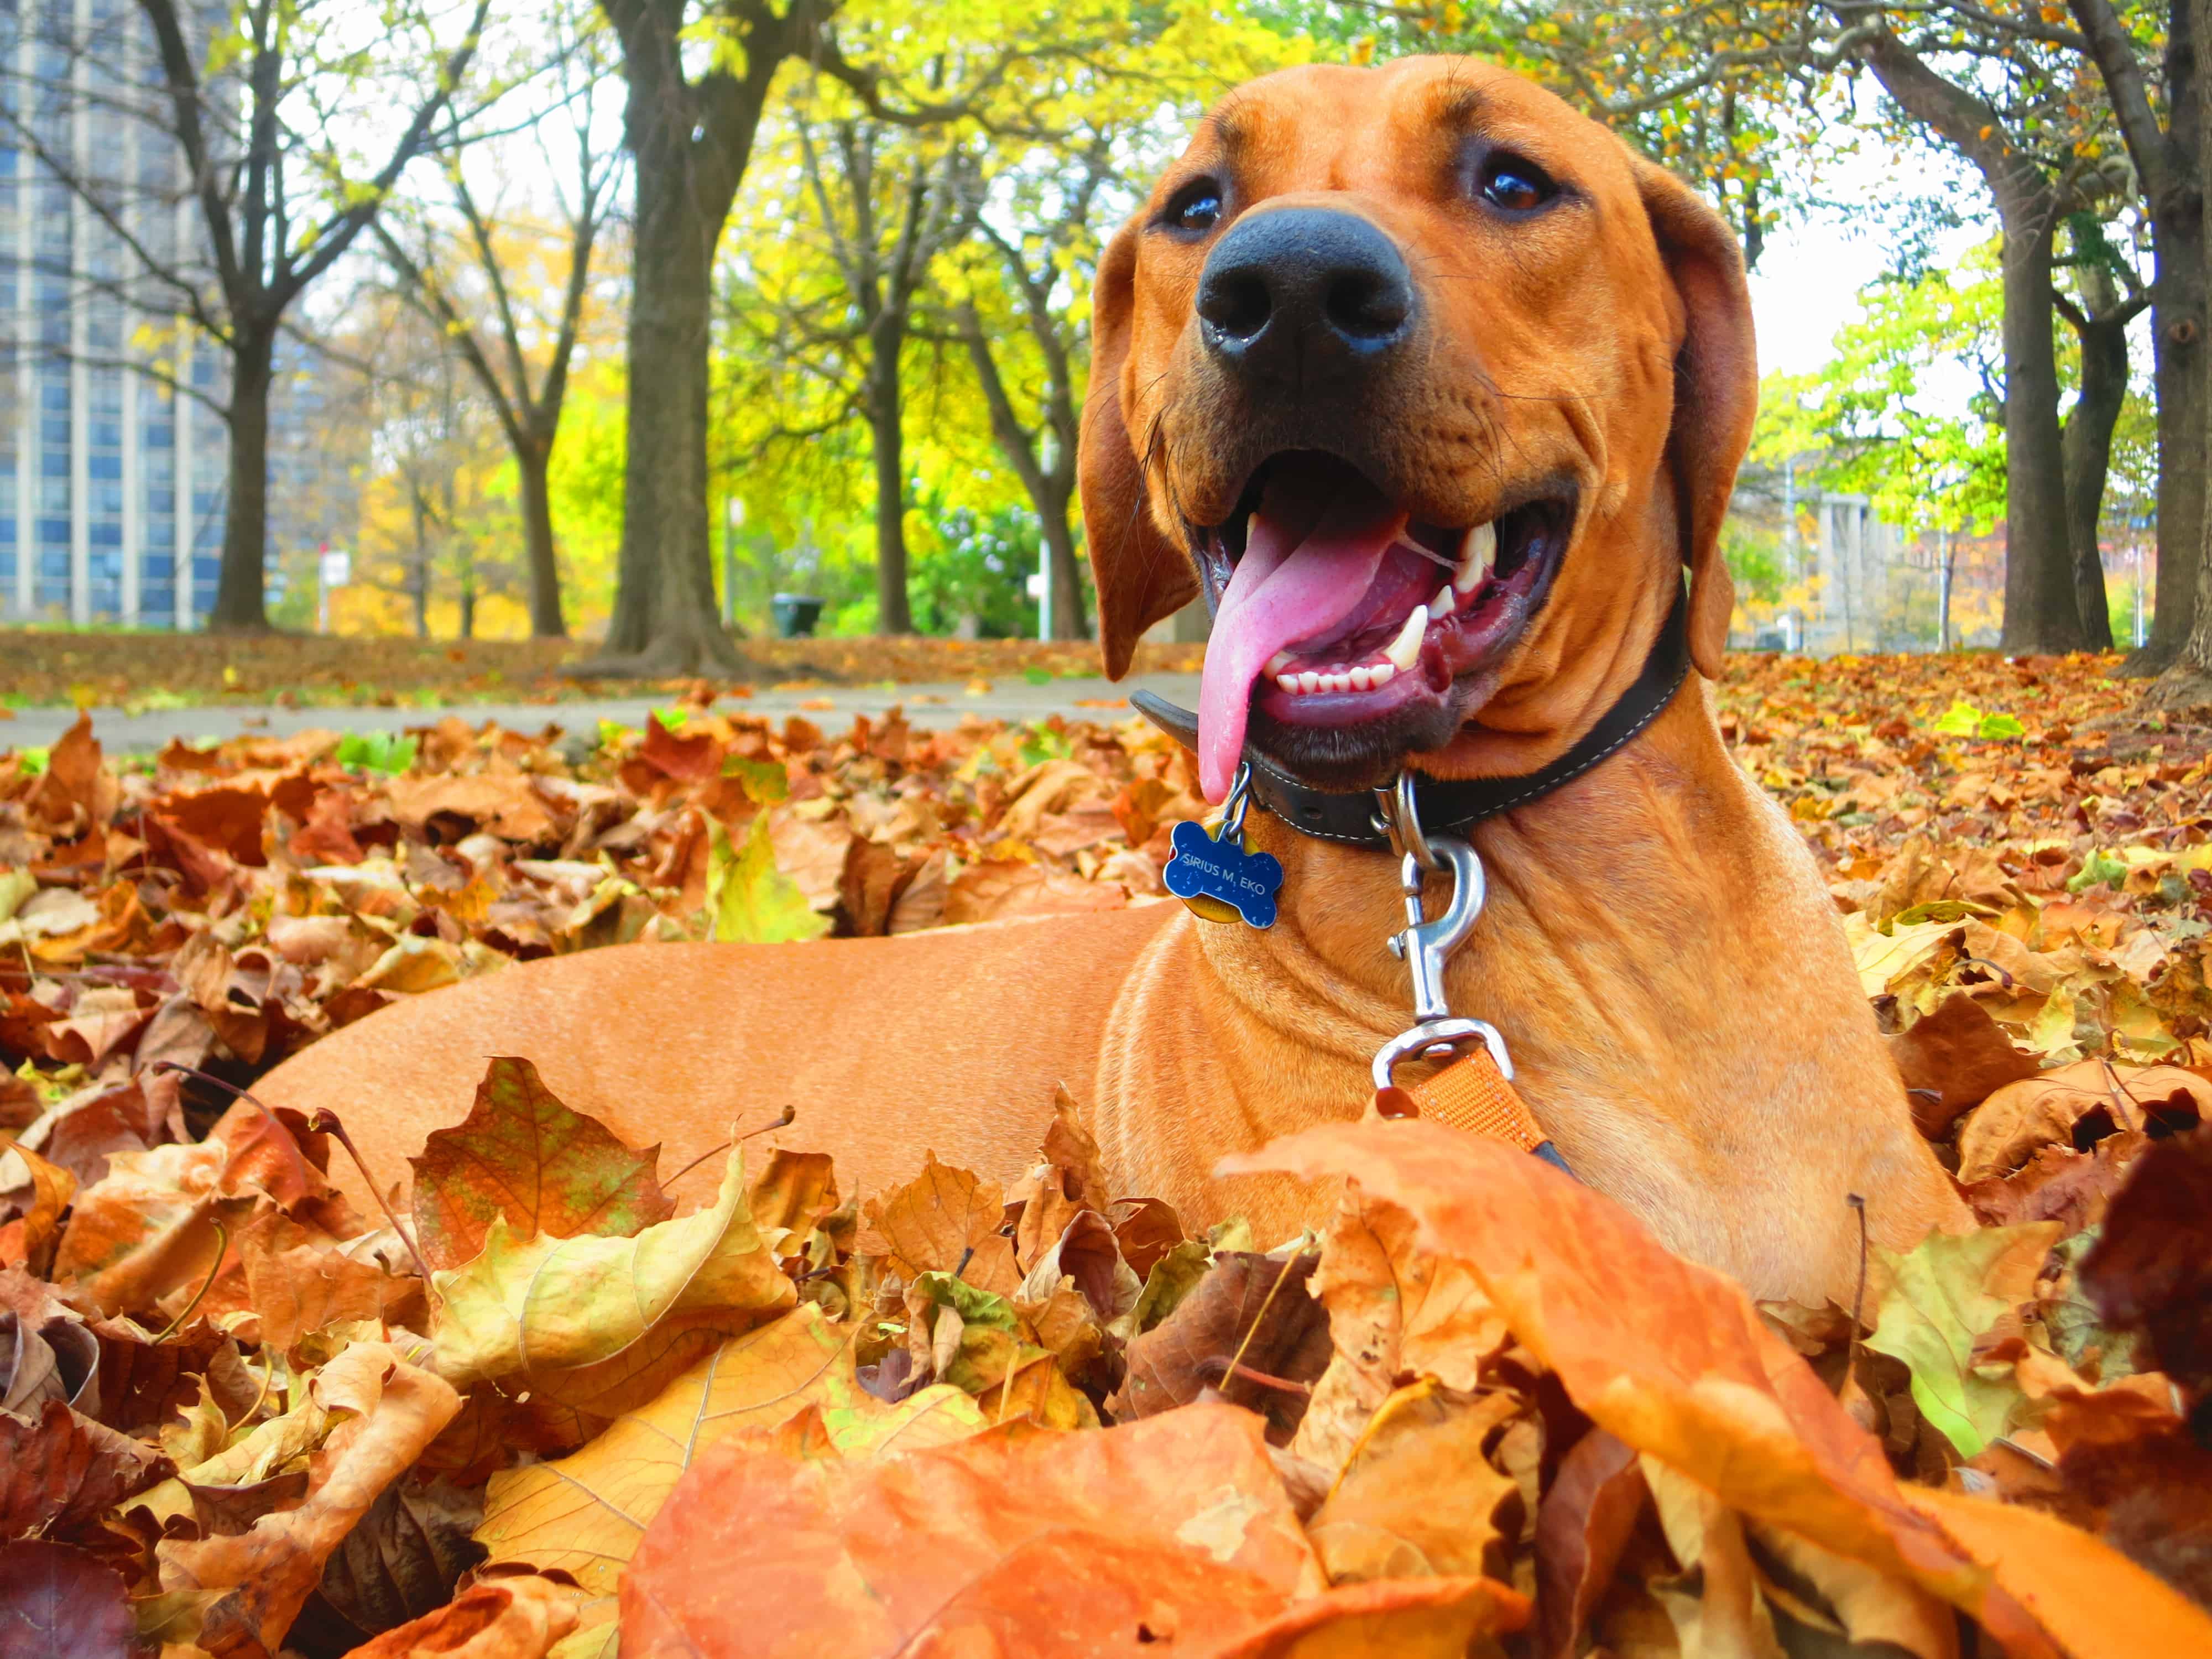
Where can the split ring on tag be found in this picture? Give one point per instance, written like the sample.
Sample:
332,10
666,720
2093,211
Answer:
1218,875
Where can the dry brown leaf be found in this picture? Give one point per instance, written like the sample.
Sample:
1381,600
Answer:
2005,1130
1404,1618
504,804
44,1198
391,1410
1583,1525
1417,1498
2095,1603
60,1471
794,1191
1957,1053
1394,1311
517,1617
1248,1304
55,1600
1669,1357
601,1324
297,1283
946,1220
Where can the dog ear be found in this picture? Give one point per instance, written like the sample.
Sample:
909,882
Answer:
1141,575
1716,392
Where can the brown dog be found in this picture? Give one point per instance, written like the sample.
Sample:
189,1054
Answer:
1368,310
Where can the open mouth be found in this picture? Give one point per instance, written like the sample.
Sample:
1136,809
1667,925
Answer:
1340,615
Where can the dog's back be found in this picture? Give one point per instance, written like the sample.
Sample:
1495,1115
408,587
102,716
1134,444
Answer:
952,1040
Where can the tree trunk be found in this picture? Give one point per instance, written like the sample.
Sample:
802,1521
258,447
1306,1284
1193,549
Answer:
689,143
665,616
2041,612
2187,683
886,429
2178,321
240,600
534,457
2086,444
1051,491
1067,621
419,581
2177,327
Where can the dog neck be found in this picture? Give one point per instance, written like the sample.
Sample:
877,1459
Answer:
1658,951
1616,839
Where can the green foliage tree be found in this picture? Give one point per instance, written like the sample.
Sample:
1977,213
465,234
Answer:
1878,417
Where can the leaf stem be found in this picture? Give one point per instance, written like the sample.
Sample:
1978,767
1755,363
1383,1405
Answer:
325,1121
1237,1360
1858,1295
222,1249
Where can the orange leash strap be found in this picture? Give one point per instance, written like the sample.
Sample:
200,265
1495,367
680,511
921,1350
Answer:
1472,1094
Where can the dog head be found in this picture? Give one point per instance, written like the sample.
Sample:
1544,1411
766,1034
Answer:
1416,338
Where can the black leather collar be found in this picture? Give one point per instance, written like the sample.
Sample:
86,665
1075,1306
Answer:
1451,805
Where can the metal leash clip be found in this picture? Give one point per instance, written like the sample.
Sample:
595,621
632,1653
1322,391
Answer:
1424,945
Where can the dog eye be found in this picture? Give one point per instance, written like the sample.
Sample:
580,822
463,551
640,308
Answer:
1514,184
1196,207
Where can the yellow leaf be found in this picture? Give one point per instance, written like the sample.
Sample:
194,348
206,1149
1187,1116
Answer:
749,900
584,1513
601,1324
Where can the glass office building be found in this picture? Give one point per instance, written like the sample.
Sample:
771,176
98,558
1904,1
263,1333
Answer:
111,484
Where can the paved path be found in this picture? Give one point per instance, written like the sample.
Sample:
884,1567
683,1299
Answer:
1009,699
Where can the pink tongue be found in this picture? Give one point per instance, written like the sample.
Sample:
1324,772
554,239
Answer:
1303,571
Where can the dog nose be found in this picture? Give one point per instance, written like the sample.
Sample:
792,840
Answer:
1300,289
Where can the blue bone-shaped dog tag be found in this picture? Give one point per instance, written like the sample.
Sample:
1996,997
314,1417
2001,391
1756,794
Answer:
1204,868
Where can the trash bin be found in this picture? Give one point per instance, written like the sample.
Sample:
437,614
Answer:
795,615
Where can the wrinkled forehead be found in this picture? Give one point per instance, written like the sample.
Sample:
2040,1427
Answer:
1388,128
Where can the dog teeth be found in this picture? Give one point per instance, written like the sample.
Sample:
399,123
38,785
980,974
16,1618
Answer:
1278,662
1406,650
1478,551
1367,677
1445,602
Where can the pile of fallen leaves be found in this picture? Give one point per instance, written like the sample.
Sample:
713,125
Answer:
535,1409
139,671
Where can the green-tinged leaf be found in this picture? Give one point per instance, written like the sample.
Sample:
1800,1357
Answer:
2099,866
765,782
377,752
1937,1302
749,900
15,886
1173,1277
601,1324
1961,720
974,1306
523,1155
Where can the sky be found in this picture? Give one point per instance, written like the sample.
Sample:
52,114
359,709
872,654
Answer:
1806,284
1803,289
